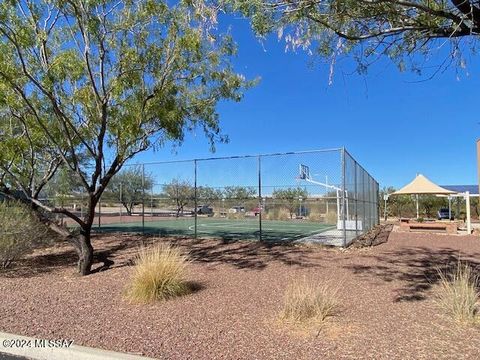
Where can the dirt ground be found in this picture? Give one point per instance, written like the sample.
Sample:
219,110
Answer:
386,293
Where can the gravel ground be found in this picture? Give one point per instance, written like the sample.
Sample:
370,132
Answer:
388,310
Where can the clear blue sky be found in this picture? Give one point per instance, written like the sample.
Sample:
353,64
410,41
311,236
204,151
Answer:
393,124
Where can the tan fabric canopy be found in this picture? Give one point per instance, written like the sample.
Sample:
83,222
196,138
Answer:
422,185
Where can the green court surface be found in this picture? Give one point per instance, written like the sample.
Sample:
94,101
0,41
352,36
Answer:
248,229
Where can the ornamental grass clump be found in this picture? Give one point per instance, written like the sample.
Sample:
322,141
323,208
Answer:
307,301
160,273
458,293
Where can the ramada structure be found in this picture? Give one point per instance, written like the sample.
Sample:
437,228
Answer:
421,185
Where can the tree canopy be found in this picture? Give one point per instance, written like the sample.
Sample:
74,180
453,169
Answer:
407,31
291,198
181,193
103,80
129,186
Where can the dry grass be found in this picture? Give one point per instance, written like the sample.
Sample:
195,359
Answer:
159,274
278,214
331,217
306,301
458,293
315,216
236,216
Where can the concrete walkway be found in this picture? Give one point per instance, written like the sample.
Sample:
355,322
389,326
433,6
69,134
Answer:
38,349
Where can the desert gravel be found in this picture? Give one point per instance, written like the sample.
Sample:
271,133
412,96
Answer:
387,295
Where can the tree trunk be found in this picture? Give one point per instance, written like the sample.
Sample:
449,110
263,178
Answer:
80,241
84,250
128,208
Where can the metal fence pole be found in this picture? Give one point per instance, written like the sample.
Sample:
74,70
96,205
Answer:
356,196
344,220
121,202
377,201
195,196
143,198
364,228
260,197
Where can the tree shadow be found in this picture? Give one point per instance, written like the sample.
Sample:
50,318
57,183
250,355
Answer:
41,262
63,255
248,254
226,234
119,250
418,268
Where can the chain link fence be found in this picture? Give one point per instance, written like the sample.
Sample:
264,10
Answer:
321,196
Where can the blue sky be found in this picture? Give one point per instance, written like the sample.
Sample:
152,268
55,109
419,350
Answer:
394,124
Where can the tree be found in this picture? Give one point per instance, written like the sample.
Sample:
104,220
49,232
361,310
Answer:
207,195
128,187
403,30
239,192
402,205
291,198
103,80
431,203
385,191
182,193
475,205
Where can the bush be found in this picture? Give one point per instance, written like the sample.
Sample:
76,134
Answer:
331,218
278,214
20,232
306,301
160,273
236,216
315,216
458,293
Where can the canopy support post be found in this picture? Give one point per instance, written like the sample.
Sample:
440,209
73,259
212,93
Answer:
449,207
469,224
416,198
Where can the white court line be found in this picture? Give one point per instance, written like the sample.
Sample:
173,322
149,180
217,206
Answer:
250,227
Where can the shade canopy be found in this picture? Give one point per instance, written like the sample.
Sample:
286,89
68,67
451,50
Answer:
422,185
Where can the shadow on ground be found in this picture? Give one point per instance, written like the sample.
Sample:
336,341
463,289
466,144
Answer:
417,267
118,250
63,255
227,234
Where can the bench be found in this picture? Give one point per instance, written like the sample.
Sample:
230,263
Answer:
449,228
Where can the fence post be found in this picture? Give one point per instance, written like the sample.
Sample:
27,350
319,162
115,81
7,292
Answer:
356,197
195,196
343,200
260,197
143,198
377,201
121,204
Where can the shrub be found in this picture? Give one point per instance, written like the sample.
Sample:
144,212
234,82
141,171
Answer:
271,214
236,216
20,232
315,216
458,293
159,274
283,214
278,214
306,301
331,217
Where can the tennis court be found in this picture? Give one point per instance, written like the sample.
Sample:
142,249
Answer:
226,229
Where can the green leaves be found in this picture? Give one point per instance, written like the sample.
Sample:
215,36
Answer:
407,32
107,79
